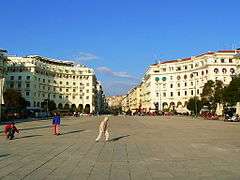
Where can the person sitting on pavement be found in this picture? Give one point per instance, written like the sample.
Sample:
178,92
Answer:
10,130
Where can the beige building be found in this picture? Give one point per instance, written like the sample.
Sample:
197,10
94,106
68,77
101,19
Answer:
41,79
114,101
3,58
172,83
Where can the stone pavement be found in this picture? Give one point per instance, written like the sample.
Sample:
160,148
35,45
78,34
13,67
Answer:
140,148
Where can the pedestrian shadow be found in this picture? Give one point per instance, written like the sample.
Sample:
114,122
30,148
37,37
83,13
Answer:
4,155
119,137
38,127
30,136
71,132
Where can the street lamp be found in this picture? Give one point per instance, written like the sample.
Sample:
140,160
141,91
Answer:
195,98
157,79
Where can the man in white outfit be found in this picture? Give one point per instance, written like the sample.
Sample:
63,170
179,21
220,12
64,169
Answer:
103,129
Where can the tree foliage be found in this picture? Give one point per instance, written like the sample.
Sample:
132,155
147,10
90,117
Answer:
14,99
231,93
194,105
212,94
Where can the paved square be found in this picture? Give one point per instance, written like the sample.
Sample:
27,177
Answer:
140,148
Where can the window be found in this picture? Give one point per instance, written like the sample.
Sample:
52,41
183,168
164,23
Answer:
27,93
178,84
54,96
191,65
11,85
216,70
60,82
12,78
60,96
191,83
185,84
202,73
87,97
178,93
185,67
222,60
185,76
206,71
198,91
43,80
80,97
224,70
66,90
185,93
74,83
232,70
87,90
49,81
19,85
19,78
171,94
164,94
74,90
191,92
73,97
87,84
27,85
191,75
171,86
60,89
178,77
67,83
28,77
230,60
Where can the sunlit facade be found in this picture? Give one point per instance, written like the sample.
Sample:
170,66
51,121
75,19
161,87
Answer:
172,83
41,79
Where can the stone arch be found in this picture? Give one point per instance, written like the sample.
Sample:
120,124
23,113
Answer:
80,108
179,104
87,108
165,105
73,107
66,106
60,106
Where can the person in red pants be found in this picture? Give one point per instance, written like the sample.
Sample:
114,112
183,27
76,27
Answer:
56,124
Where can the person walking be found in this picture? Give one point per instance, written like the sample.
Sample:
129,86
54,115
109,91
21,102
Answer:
56,124
103,129
9,130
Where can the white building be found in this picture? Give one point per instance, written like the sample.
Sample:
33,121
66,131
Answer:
3,57
173,83
41,79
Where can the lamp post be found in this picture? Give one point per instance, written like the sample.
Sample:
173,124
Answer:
157,79
195,98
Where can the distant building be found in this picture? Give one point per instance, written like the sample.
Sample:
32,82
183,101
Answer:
3,58
41,79
114,101
172,83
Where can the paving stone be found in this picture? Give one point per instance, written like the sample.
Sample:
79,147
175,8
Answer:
140,148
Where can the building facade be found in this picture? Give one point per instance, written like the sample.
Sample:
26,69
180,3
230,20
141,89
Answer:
172,83
40,79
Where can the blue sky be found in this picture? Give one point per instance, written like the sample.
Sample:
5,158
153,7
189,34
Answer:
120,38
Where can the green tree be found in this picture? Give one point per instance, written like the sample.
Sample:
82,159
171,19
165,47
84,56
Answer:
212,94
14,99
194,105
231,93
